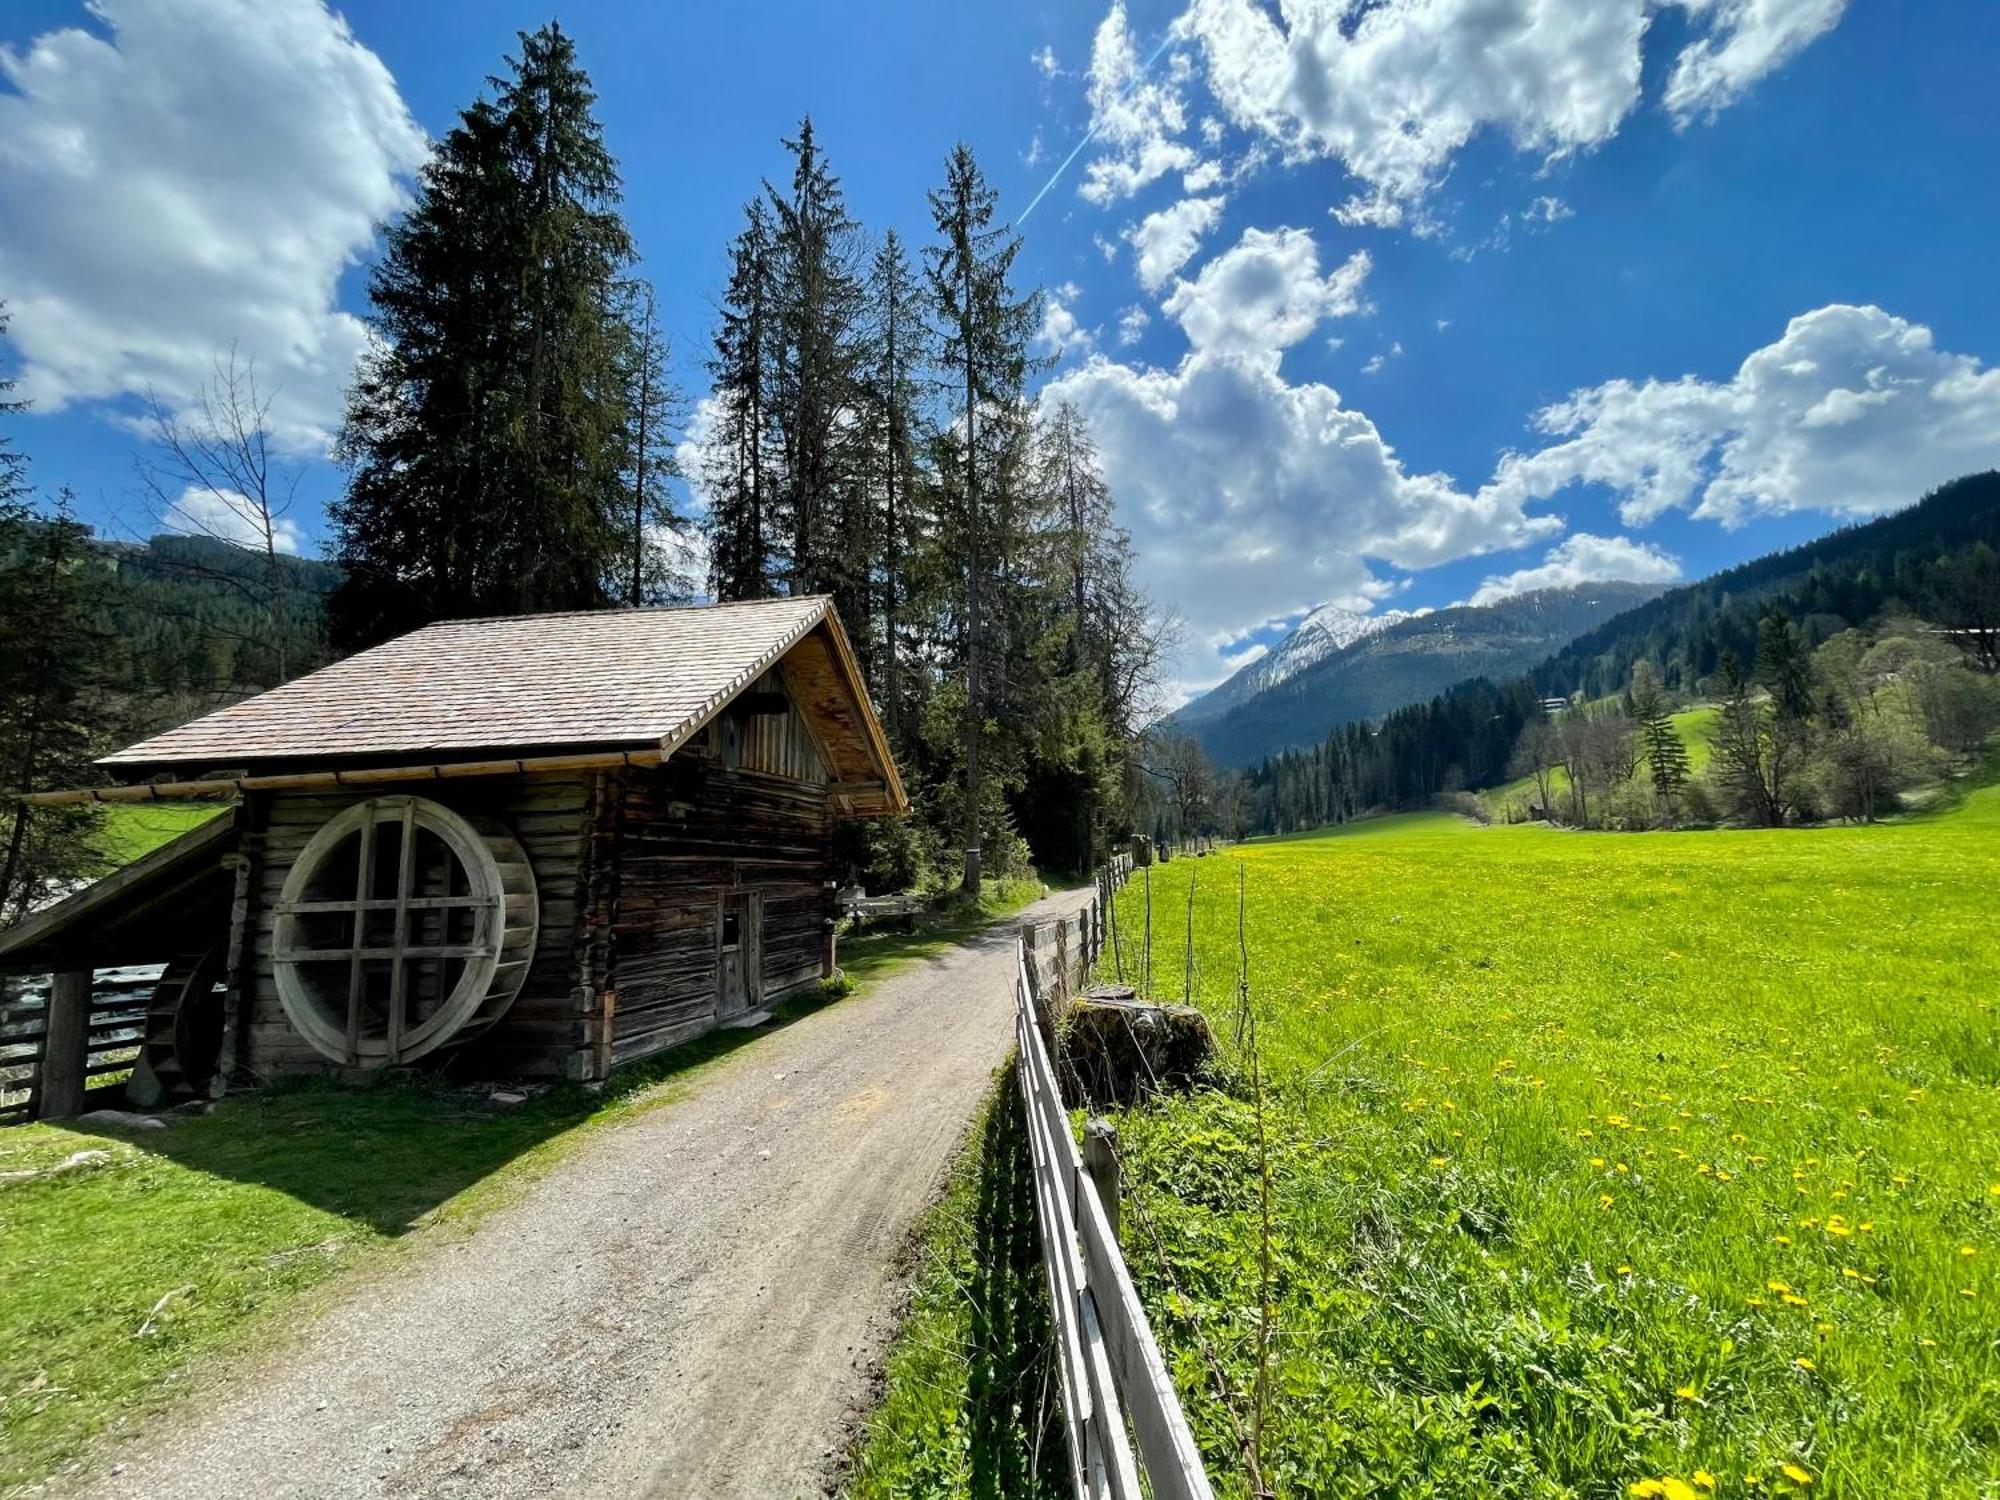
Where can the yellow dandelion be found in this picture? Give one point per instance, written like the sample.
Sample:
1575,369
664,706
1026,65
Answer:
1805,1364
1777,1286
1703,1480
1687,1393
1927,1343
1597,1161
1438,1161
1850,1273
1604,1200
1967,1250
1783,1239
1753,1301
1797,1475
1624,1271
1793,1299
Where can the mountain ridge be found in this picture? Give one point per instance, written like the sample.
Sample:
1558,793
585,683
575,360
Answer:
1410,661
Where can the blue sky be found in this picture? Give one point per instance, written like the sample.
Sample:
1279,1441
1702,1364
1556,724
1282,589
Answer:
1465,296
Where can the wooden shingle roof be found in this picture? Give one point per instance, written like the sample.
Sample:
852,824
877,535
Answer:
609,679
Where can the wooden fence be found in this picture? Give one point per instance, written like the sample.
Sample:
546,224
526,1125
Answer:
1121,1414
113,1026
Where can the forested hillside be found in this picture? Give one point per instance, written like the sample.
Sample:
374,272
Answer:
1844,673
1409,662
1926,561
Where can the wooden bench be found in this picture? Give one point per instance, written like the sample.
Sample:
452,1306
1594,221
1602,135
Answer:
871,911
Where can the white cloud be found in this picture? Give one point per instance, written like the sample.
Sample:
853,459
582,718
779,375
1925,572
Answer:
1136,111
228,517
1751,38
1264,294
1165,241
1060,332
1202,177
200,172
1852,412
1045,61
1251,498
1132,325
1032,157
1583,558
1394,90
1548,210
1374,365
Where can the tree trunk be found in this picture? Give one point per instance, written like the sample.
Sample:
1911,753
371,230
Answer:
972,622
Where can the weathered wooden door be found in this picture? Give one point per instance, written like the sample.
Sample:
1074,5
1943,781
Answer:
739,977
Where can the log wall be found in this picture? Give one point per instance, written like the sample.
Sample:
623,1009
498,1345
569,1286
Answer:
688,834
631,867
552,815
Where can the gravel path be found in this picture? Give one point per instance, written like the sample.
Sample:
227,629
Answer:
691,1305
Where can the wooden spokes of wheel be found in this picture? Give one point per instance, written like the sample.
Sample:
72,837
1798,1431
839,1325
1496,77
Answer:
402,927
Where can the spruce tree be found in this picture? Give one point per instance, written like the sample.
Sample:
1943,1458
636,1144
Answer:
898,350
818,299
736,465
13,464
985,330
1666,756
51,655
656,534
488,429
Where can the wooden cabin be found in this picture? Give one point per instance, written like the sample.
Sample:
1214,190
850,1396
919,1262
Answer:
536,847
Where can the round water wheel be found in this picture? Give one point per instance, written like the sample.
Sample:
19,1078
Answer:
182,1044
402,927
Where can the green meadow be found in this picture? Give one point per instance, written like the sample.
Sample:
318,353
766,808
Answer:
1602,1164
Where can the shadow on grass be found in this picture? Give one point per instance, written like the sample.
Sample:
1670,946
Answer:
1013,1406
388,1154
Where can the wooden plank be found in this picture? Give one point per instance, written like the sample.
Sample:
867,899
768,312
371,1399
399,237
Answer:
1173,1462
59,1088
1121,1474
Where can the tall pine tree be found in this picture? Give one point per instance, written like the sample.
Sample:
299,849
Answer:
737,461
488,430
984,354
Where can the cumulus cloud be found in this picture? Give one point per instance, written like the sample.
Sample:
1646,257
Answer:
229,517
190,173
1250,498
1852,412
1166,241
1264,294
1060,332
1583,558
1136,111
1751,38
1395,90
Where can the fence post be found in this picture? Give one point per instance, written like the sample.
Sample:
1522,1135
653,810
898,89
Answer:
65,1047
1100,1160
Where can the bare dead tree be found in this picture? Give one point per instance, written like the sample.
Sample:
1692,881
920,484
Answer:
215,474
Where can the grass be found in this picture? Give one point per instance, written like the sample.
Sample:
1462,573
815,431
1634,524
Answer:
208,1232
966,1380
132,829
234,1217
1600,1160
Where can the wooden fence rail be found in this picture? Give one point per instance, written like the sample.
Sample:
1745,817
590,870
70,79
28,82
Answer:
1121,1413
113,1026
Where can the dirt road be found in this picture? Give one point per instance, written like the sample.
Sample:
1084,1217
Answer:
689,1306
